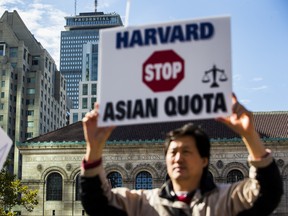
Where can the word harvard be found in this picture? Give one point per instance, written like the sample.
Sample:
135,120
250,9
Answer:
173,106
164,35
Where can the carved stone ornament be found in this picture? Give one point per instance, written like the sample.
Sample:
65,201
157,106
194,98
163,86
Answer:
68,167
128,166
280,162
39,167
158,165
220,164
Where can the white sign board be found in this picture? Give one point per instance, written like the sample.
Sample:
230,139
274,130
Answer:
165,72
5,145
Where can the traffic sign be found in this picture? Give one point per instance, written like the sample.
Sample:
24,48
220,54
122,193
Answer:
163,70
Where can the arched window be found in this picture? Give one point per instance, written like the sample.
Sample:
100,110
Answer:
115,179
143,180
54,187
77,188
234,176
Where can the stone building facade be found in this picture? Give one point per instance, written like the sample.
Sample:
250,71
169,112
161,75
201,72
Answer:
134,158
32,91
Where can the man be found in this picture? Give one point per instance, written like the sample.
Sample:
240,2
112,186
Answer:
189,191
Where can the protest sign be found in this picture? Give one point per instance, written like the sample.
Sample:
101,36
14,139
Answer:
165,72
5,145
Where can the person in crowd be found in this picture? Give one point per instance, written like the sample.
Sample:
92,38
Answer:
189,190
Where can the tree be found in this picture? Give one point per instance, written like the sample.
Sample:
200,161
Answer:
13,193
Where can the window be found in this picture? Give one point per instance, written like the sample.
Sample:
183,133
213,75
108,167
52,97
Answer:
30,102
1,117
54,187
93,100
31,80
30,124
1,106
29,135
35,60
30,91
2,49
14,65
30,112
85,89
234,176
75,117
94,89
2,83
46,62
24,54
115,179
77,188
13,52
84,103
2,94
143,180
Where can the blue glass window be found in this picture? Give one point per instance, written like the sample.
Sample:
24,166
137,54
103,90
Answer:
54,187
115,179
143,180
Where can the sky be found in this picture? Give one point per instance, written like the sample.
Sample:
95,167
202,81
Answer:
259,33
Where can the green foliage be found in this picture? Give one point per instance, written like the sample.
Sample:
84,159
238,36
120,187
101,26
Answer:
13,193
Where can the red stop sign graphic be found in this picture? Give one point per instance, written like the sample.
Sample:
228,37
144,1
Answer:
163,71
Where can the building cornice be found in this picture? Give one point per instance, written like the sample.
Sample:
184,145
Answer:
81,144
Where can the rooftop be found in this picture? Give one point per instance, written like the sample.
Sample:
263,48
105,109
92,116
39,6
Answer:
268,124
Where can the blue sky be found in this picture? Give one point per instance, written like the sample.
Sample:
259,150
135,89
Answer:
259,32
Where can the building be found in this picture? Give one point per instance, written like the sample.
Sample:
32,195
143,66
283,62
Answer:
33,95
82,33
134,158
87,94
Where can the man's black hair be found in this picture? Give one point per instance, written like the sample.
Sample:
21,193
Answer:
201,138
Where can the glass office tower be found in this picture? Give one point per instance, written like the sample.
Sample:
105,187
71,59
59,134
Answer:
80,30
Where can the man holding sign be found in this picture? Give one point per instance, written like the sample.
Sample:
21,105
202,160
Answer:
168,72
189,191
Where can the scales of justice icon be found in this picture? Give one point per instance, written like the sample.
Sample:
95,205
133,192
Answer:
214,71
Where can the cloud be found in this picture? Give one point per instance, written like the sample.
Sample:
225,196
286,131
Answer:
237,77
260,88
245,101
10,2
257,79
44,21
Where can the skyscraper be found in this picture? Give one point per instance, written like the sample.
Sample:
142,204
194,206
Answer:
80,38
32,91
88,84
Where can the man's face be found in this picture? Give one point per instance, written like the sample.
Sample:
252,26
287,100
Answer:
183,160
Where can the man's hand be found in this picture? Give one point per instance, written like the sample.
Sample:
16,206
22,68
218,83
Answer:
241,121
95,136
